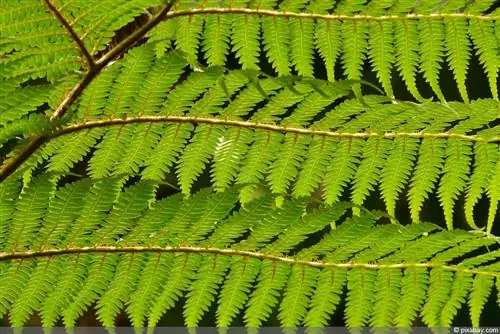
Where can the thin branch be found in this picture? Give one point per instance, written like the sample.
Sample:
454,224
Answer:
75,93
136,35
74,36
336,17
106,59
261,126
6,256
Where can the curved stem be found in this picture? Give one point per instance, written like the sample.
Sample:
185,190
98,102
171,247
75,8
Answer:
335,17
5,256
262,126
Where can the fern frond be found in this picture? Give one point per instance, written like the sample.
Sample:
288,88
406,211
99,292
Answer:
205,247
423,34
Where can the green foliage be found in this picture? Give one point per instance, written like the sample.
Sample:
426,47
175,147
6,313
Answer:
204,247
109,106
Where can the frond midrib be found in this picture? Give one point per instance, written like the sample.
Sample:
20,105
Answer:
263,126
290,260
327,17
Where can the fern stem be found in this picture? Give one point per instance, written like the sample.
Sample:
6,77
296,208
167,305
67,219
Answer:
107,58
74,36
262,126
336,17
8,256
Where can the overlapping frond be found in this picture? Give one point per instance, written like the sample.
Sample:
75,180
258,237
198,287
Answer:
295,135
142,255
409,37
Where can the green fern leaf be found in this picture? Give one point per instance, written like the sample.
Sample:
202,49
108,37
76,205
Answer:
188,35
484,165
276,39
73,150
481,288
458,52
236,289
229,153
201,292
355,46
34,292
406,43
494,195
413,289
369,169
326,297
60,296
385,307
259,156
8,192
196,155
297,295
381,53
360,285
314,166
99,275
397,169
126,277
437,295
29,211
453,181
431,35
216,39
271,280
183,270
427,170
149,285
459,289
327,40
301,46
245,33
339,174
285,168
166,151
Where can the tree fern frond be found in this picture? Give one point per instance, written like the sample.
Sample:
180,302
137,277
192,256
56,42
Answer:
276,40
298,293
119,272
429,162
116,116
220,104
369,169
385,307
245,39
461,284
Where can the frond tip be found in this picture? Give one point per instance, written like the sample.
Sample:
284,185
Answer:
256,259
